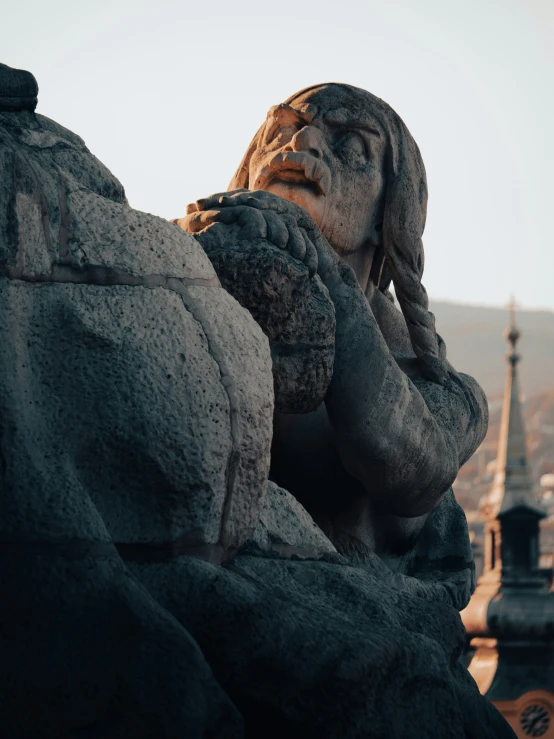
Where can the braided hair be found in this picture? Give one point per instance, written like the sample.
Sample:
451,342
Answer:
400,257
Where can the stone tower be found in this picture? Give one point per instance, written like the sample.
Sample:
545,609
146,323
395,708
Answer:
510,618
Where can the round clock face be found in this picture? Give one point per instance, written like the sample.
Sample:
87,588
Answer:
535,720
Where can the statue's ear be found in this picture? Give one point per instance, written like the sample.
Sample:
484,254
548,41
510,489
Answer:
241,177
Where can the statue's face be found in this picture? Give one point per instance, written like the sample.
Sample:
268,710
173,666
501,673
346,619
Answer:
326,152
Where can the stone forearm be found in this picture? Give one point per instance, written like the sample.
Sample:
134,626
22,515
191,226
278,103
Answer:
388,438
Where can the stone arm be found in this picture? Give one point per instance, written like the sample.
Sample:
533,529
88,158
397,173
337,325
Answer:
400,435
403,437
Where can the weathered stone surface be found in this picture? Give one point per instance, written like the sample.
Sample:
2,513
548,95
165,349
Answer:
63,210
321,648
135,423
122,355
292,307
136,402
334,179
286,527
333,182
440,563
120,382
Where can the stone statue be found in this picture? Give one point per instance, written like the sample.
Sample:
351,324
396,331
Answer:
334,177
152,581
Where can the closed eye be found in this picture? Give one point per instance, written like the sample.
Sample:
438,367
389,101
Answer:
352,147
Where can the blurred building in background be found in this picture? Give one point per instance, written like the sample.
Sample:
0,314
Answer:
510,618
473,336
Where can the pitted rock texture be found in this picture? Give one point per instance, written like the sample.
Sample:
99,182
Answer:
294,311
136,402
130,381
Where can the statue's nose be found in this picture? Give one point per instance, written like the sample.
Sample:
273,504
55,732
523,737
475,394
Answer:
308,139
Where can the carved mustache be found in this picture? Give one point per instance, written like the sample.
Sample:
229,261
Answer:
313,169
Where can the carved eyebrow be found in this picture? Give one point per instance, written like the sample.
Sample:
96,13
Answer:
339,117
342,117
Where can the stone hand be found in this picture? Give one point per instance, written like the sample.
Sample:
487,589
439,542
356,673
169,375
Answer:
265,215
255,224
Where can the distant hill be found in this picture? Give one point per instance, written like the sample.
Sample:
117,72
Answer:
475,344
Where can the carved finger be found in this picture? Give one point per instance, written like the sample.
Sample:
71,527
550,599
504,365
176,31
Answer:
296,246
253,224
258,201
197,221
219,199
310,260
277,231
304,219
262,199
229,215
233,198
327,258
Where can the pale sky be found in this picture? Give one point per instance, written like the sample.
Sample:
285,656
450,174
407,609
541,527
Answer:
168,95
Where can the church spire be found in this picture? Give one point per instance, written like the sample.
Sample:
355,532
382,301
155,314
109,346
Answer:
512,485
512,528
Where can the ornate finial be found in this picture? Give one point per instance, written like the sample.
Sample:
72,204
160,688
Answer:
512,333
18,89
